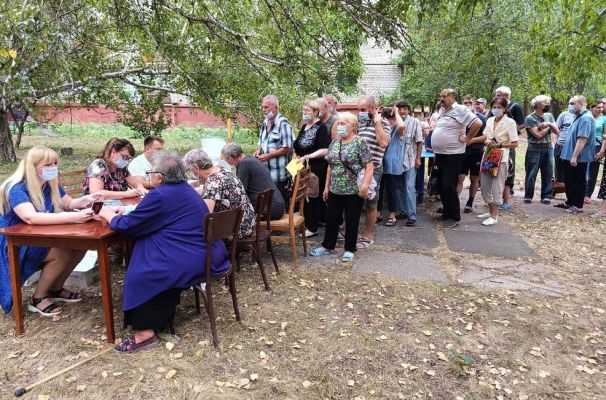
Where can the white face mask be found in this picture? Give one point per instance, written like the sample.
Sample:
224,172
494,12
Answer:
49,173
341,130
269,115
497,112
307,118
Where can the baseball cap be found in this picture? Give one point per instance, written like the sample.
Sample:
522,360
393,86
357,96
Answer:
481,100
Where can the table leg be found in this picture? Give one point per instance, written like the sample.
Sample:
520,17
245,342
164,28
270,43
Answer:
13,260
106,289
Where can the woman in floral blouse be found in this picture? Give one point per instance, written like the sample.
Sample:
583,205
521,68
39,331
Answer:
108,174
221,190
347,157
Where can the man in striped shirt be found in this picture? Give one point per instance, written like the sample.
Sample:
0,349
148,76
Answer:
375,130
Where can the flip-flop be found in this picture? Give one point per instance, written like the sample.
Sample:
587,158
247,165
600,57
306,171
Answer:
348,256
391,222
69,296
363,243
319,252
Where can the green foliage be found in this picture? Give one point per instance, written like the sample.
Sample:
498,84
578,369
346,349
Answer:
475,46
146,116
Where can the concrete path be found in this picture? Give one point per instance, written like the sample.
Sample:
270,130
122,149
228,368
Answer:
490,257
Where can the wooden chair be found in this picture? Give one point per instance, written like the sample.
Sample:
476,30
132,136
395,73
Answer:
260,234
219,226
72,182
293,222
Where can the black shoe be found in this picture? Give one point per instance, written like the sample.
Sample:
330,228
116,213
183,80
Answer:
411,222
562,205
468,209
401,216
439,217
451,224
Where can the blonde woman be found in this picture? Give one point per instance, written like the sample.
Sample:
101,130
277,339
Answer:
32,195
501,133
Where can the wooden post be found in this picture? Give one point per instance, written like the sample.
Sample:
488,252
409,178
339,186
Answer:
230,129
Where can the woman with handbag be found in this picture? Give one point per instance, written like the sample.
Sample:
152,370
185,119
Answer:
501,135
311,146
348,158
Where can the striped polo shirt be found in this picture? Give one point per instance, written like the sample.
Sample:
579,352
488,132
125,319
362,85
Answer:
367,132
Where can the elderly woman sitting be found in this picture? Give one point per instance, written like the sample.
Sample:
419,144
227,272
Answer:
221,190
169,251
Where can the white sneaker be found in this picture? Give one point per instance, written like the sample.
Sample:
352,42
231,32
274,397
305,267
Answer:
309,233
484,216
489,221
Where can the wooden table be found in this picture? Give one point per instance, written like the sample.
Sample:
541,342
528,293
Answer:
93,235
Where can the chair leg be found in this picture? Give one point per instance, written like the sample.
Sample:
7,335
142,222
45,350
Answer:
234,299
238,258
257,254
211,314
302,229
270,248
293,244
197,296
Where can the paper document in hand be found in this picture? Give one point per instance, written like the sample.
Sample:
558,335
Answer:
294,166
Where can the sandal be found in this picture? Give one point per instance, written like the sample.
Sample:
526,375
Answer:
391,222
319,252
69,296
129,346
348,256
49,311
363,243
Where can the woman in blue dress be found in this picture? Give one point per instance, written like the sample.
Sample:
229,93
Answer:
32,195
169,251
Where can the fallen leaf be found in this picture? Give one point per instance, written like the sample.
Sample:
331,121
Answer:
70,379
81,388
283,325
306,384
170,374
34,355
169,346
262,355
430,372
104,374
176,355
543,374
441,356
117,373
43,397
243,383
427,333
350,382
254,377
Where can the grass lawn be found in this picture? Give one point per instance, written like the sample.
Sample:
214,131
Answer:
327,333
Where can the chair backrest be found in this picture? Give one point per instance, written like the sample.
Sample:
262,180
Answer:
299,192
263,209
72,182
219,226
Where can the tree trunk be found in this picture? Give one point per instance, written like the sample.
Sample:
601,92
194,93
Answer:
20,128
7,150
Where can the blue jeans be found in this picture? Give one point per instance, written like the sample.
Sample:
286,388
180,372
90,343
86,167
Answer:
539,158
408,201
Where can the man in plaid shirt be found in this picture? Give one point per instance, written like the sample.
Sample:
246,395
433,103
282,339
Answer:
275,142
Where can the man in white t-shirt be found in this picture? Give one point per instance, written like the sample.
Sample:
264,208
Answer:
141,164
455,126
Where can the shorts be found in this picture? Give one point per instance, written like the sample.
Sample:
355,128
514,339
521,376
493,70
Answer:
372,204
471,164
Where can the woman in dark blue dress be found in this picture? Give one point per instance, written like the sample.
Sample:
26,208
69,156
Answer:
32,195
169,251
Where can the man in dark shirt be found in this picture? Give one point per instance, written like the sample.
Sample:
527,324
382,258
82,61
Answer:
255,177
473,157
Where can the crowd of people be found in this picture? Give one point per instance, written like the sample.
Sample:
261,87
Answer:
360,161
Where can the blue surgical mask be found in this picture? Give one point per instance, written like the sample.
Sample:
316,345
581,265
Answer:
571,109
331,110
307,118
497,112
364,116
269,115
121,163
341,130
49,173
